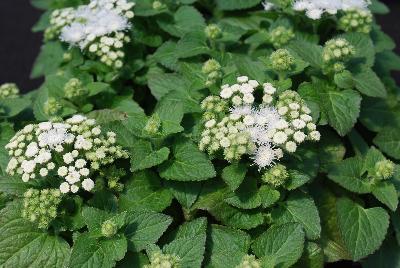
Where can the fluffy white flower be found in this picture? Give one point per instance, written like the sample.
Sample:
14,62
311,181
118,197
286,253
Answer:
62,171
291,147
64,187
226,93
74,188
87,184
28,166
299,136
242,79
265,156
280,137
32,149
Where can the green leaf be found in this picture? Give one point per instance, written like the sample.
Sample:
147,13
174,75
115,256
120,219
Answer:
363,230
161,84
237,4
388,256
185,192
313,256
13,185
309,52
388,140
212,199
144,191
226,247
143,156
368,83
342,108
331,239
22,244
269,195
145,228
13,107
189,164
364,48
387,194
186,19
189,243
253,69
246,196
281,245
300,208
89,251
376,114
50,57
348,175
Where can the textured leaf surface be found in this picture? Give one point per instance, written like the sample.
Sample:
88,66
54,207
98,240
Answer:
189,164
226,246
363,230
300,208
144,228
280,245
22,244
144,191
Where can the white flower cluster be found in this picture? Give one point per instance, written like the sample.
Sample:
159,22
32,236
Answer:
98,28
72,150
264,131
316,8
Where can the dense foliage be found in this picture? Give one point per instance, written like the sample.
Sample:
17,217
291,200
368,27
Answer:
203,133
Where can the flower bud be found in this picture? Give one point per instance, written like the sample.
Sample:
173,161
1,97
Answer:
52,107
282,60
280,36
249,261
384,169
153,124
212,31
160,260
109,228
276,176
8,91
356,20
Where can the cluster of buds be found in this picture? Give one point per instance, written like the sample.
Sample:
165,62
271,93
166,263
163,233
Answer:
112,175
356,20
292,108
71,151
59,18
160,260
40,206
262,130
108,228
336,53
212,31
8,91
52,107
280,36
282,61
229,135
97,28
384,170
276,176
157,5
212,69
74,89
153,124
249,261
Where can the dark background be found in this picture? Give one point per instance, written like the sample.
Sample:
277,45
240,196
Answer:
19,46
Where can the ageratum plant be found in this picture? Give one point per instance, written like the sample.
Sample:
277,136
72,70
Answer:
201,133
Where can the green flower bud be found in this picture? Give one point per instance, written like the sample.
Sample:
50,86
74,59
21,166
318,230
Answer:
249,261
157,5
109,228
40,206
282,60
384,169
280,36
52,107
211,66
74,89
67,57
153,124
356,20
8,91
160,260
337,50
212,31
276,176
